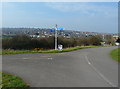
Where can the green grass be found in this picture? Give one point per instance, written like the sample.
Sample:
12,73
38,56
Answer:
8,81
6,37
115,54
4,52
76,48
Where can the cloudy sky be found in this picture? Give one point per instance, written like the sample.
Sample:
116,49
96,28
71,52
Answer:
82,16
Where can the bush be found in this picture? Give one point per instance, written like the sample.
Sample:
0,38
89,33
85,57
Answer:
25,42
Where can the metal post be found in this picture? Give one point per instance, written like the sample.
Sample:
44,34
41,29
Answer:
56,37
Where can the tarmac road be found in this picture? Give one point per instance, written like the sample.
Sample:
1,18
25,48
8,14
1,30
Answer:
91,67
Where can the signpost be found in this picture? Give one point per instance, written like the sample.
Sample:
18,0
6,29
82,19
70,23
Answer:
55,30
56,37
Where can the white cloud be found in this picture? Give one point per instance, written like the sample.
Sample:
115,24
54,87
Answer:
84,8
67,7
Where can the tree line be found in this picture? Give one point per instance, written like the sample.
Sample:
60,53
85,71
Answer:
25,42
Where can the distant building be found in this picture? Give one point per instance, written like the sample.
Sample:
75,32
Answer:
115,37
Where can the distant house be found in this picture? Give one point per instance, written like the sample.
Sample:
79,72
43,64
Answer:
115,37
33,36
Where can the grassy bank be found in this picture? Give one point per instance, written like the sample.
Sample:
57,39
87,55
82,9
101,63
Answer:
11,82
44,51
115,54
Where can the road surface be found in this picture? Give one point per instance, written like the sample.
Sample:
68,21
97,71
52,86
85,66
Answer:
91,67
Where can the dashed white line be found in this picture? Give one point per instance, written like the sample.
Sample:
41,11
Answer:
25,58
50,58
99,73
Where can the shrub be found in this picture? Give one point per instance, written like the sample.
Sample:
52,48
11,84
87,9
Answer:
27,43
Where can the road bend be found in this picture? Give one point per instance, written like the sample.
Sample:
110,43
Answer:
92,67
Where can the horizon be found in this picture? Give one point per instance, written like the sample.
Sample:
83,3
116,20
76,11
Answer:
63,30
98,17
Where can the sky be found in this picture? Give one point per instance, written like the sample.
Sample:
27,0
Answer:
80,16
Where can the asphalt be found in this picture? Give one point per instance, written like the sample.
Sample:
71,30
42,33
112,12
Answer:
92,67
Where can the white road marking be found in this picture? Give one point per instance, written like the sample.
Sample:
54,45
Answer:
99,73
89,63
24,58
50,58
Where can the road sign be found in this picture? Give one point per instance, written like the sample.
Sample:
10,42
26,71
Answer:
60,28
52,30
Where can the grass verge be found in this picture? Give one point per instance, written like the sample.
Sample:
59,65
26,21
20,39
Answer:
9,81
115,54
44,51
